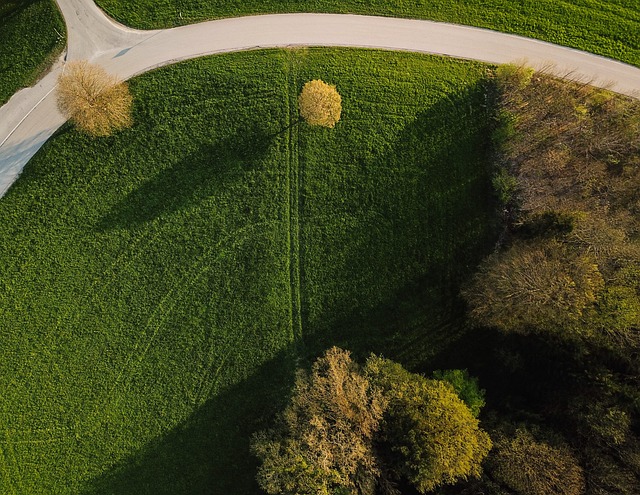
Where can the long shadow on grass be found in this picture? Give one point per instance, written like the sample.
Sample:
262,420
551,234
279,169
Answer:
209,453
423,213
191,179
414,319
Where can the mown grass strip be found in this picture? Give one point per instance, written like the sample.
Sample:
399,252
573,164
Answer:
294,197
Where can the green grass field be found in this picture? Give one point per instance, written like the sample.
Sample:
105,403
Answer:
606,27
32,35
158,287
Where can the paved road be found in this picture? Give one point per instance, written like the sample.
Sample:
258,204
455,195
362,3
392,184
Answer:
31,116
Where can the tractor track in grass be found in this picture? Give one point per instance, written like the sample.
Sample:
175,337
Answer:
293,179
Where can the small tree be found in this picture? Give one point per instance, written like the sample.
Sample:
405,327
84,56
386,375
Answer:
320,103
433,435
97,102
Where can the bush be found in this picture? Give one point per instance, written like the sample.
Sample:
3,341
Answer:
465,386
514,77
96,102
320,104
505,185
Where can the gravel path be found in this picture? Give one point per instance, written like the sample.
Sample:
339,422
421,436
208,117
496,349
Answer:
31,116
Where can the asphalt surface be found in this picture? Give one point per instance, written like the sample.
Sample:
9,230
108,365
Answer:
31,116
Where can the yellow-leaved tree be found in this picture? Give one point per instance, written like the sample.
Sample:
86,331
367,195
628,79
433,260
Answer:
96,102
432,434
320,103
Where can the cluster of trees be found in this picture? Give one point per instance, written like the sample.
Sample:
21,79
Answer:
567,273
362,430
569,174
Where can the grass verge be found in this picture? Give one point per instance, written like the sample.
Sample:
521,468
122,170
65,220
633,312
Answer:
32,35
160,286
605,27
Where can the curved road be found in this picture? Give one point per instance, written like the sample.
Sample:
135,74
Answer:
31,116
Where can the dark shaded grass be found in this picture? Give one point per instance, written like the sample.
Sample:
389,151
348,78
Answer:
606,27
147,279
394,206
29,43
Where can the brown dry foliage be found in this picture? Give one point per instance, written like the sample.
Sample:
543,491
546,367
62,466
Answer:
320,103
542,284
573,147
97,102
327,432
533,468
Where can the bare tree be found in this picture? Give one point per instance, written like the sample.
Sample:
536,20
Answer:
96,102
541,285
533,468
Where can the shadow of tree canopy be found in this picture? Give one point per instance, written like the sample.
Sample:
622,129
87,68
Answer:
413,319
209,453
191,179
401,264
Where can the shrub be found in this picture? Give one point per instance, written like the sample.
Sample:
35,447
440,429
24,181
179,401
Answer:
96,102
505,185
465,386
320,104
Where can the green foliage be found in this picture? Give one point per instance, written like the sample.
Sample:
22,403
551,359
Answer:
505,184
29,42
535,468
149,291
607,28
513,77
549,224
433,434
611,424
465,386
285,469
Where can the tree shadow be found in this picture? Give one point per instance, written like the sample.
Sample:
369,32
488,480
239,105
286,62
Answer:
442,237
11,8
209,453
193,178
